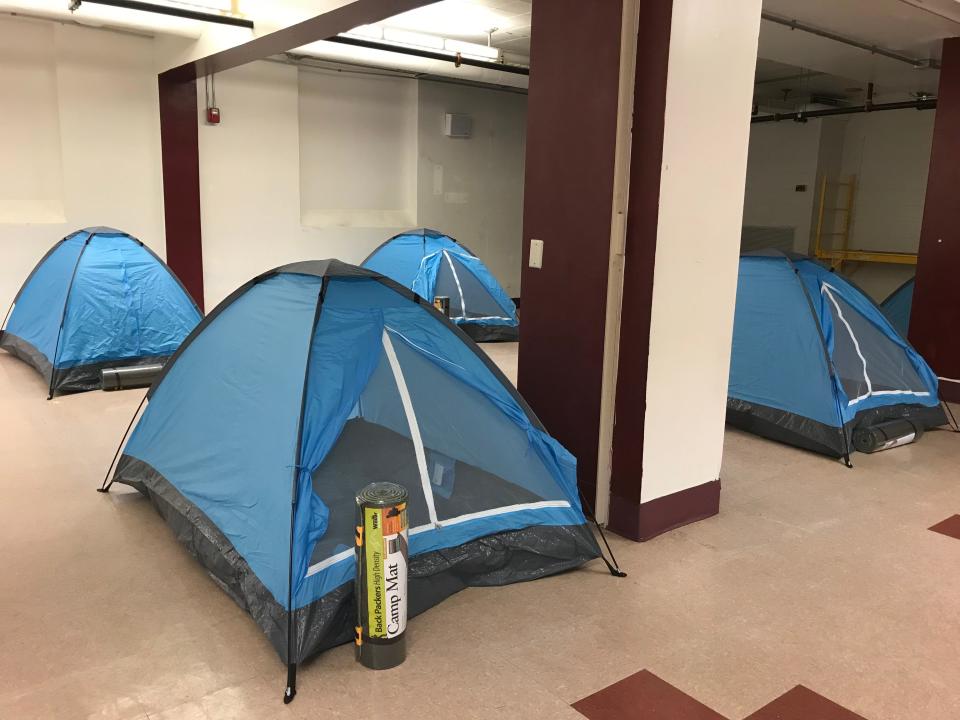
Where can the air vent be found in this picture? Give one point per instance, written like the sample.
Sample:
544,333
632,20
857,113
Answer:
457,125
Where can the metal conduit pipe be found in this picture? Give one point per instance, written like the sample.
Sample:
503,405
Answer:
852,42
173,11
429,54
804,115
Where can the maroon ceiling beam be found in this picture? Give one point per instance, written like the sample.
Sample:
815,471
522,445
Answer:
179,123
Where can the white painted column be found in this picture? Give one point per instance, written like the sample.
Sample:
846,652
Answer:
713,51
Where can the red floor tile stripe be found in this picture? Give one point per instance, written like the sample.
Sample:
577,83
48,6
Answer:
949,527
643,696
801,703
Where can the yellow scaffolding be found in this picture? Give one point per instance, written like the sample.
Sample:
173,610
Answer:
839,253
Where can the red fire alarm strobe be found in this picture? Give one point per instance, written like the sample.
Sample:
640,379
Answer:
213,116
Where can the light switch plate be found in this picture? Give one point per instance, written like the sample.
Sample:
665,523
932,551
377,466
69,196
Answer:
536,253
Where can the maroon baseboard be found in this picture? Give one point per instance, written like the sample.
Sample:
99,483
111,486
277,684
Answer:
649,519
950,391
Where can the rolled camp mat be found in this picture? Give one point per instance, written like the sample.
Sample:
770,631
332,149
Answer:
381,582
886,435
124,378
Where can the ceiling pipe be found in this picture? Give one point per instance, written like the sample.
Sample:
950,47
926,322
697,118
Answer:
167,10
787,78
457,59
804,115
314,62
852,42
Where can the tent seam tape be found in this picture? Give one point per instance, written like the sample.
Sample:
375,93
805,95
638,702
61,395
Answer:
63,315
412,344
870,391
826,287
493,512
463,303
412,422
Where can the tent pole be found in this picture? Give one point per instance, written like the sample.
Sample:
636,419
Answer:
291,690
843,429
63,317
827,358
30,277
614,568
953,420
6,317
107,480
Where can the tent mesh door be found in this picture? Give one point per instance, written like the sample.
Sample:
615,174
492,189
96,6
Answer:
868,362
469,299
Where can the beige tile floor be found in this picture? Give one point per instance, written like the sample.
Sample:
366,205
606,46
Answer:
811,574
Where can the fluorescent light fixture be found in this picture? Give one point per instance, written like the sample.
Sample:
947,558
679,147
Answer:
371,32
414,39
425,41
469,49
456,18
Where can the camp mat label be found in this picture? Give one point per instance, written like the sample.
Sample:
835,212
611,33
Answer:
385,532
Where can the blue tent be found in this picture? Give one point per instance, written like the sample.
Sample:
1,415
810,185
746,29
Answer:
814,358
99,297
433,264
311,381
897,307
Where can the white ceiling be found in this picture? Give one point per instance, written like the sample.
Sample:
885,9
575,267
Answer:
909,27
787,88
914,27
470,20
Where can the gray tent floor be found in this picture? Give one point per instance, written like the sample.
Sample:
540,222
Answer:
366,453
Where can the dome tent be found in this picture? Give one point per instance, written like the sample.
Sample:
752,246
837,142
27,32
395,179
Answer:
336,377
99,297
814,358
433,264
898,305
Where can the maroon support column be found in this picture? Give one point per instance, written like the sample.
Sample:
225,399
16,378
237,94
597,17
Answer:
568,196
179,124
628,516
935,317
181,181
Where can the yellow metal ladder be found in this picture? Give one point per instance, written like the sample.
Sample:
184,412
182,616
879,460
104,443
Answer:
842,213
843,193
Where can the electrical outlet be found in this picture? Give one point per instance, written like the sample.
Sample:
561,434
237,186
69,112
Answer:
536,254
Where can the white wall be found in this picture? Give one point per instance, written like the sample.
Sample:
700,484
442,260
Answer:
316,165
782,156
83,103
713,48
358,150
80,146
250,182
473,188
888,152
31,184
